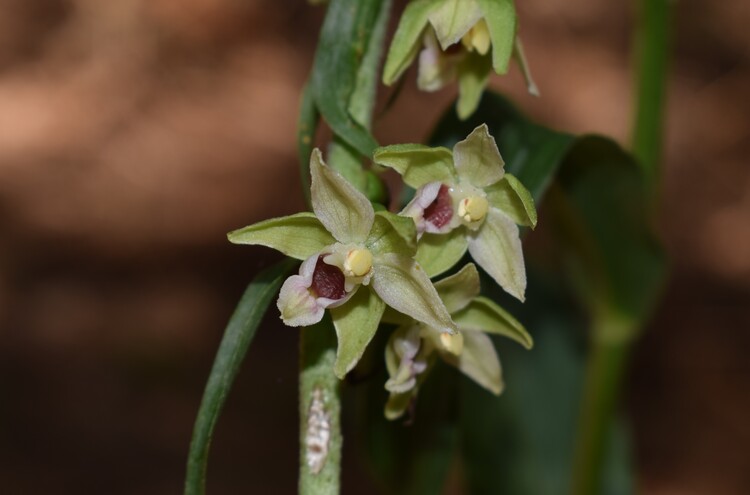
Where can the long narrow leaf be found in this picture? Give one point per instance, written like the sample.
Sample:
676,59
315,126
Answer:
237,337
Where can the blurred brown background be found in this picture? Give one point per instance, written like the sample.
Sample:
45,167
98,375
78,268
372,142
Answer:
135,133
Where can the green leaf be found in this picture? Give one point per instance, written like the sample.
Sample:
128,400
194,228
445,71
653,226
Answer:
405,287
343,42
392,233
452,19
477,158
496,247
407,40
418,164
458,290
484,315
473,75
500,16
514,200
307,123
438,253
345,212
237,338
356,323
299,236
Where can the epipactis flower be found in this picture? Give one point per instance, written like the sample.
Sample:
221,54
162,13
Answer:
457,40
356,261
465,199
413,347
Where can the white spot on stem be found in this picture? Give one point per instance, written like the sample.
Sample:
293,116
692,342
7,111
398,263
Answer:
318,433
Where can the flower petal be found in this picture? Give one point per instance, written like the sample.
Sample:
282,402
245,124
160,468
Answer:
479,361
404,286
484,315
298,306
500,16
398,404
458,290
401,351
473,74
496,247
345,212
452,19
418,164
477,158
436,68
407,39
392,233
356,323
510,196
299,236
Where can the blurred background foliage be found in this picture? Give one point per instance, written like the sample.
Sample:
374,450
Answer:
134,134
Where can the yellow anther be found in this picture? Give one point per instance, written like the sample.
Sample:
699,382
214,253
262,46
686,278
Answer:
477,38
358,262
473,208
453,343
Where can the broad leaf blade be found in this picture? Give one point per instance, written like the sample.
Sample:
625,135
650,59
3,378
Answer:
237,338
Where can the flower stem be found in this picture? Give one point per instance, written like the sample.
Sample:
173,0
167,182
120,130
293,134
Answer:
320,412
607,362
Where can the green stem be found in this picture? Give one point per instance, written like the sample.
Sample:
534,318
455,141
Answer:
320,412
651,46
604,372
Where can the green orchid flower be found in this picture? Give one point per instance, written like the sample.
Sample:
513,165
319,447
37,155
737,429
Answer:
465,199
356,261
414,347
457,41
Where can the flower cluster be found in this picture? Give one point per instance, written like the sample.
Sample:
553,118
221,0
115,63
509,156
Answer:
366,266
457,41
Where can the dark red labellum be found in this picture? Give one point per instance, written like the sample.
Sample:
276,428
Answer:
327,280
440,211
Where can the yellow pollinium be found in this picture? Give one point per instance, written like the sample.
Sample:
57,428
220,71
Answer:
473,208
478,38
358,262
453,343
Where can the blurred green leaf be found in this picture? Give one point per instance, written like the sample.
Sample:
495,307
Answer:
237,338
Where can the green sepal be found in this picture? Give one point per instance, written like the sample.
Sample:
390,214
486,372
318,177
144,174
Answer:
478,360
345,212
459,289
405,287
392,233
298,236
477,159
473,75
438,253
407,40
452,19
500,16
510,196
484,315
418,164
356,323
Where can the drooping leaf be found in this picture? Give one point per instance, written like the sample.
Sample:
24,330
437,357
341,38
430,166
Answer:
237,338
299,236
